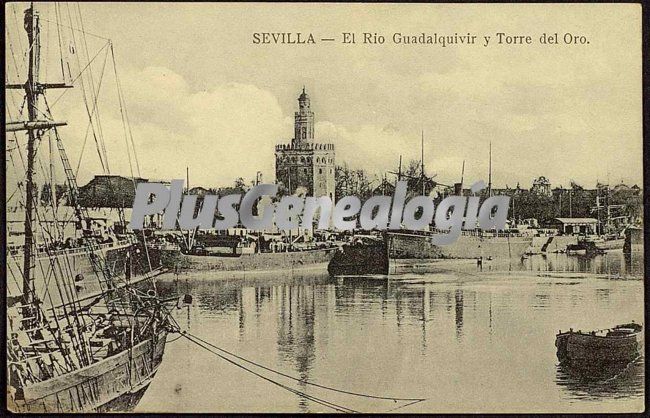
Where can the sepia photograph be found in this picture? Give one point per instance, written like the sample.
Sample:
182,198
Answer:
324,208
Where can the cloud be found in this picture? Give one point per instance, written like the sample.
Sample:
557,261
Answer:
563,111
225,132
373,148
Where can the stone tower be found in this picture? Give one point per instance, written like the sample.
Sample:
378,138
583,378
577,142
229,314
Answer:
306,163
304,121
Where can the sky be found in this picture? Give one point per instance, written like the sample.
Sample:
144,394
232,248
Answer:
200,94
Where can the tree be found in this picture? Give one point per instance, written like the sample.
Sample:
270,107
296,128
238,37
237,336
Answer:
352,182
61,191
630,198
240,184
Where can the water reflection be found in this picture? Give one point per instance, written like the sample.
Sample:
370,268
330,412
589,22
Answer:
614,382
613,263
459,312
479,340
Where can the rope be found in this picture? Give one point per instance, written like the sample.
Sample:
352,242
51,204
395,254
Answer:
320,401
92,88
81,72
211,348
95,131
127,132
101,78
364,395
74,29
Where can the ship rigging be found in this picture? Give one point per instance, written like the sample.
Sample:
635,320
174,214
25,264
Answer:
86,330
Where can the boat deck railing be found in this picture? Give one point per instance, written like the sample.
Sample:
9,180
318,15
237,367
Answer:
470,233
602,333
75,250
83,249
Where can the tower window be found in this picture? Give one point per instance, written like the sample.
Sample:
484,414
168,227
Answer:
320,171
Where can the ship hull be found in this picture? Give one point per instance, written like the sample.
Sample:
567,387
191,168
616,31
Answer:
612,244
360,260
123,260
466,246
486,247
174,259
595,356
116,383
124,403
596,246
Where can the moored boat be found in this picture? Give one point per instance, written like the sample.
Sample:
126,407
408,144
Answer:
365,255
470,244
85,328
598,352
177,260
592,245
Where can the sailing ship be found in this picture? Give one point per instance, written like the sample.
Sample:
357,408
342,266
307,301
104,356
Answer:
472,243
85,328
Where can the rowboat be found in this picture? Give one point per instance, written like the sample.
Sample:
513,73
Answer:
598,352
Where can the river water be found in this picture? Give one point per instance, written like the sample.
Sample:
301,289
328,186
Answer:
465,339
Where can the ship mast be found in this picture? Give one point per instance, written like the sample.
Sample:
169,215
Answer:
422,161
490,173
34,127
33,34
462,179
399,170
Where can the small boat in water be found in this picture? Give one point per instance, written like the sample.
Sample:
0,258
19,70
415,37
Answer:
594,245
599,352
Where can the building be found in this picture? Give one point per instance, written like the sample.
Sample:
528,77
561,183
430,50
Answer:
109,191
541,185
306,164
57,227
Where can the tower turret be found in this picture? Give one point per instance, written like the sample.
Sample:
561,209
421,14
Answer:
304,120
306,163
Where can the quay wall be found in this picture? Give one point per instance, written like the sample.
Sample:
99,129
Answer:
247,262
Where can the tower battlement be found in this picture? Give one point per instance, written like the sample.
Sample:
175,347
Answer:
305,146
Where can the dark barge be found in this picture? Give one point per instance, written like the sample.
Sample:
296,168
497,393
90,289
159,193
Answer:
599,352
